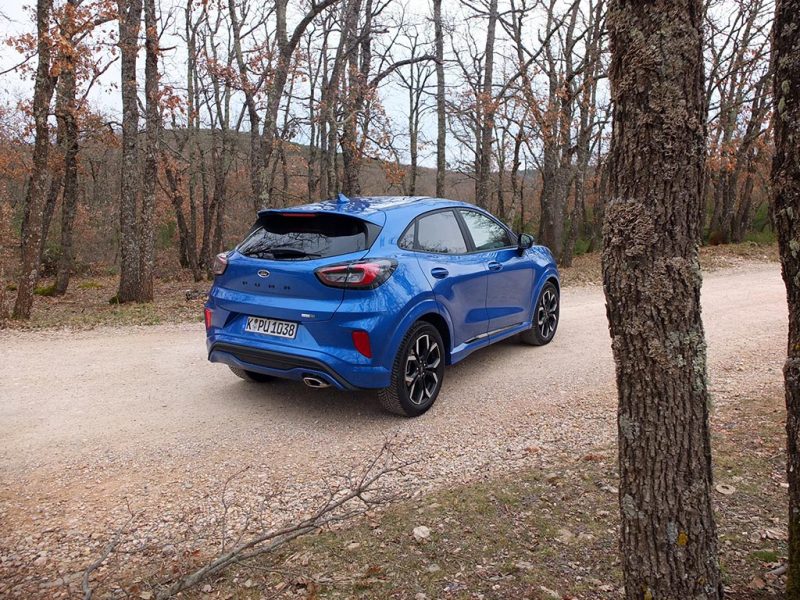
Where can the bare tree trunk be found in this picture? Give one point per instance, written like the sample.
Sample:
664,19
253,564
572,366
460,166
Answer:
314,120
286,48
207,212
732,79
441,115
516,188
56,184
552,197
331,94
37,189
741,221
415,84
331,173
488,110
353,103
152,131
651,275
786,217
130,14
188,243
413,131
599,208
252,111
69,202
196,159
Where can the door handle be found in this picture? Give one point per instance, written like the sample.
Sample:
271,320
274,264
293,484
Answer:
440,272
494,266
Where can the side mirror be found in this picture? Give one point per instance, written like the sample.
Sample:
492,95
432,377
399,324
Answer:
524,242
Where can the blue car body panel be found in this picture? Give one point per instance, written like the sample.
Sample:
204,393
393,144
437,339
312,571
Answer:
475,298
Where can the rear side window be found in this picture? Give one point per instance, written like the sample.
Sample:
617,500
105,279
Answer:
439,232
304,236
486,233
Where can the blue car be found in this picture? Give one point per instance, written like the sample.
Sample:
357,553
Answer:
376,293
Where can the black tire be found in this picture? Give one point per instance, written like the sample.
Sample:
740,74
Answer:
251,375
545,317
421,352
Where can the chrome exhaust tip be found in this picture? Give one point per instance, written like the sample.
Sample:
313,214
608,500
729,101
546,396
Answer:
315,382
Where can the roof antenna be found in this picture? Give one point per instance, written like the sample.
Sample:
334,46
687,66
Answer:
341,198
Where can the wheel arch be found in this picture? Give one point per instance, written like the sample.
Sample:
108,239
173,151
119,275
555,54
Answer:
549,276
439,322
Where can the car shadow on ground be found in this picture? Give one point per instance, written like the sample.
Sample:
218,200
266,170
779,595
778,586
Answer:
296,400
293,400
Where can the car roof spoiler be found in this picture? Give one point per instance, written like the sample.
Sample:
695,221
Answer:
342,205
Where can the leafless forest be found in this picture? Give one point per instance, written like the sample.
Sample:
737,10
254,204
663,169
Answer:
143,134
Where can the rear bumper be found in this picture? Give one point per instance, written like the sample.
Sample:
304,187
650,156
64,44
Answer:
278,362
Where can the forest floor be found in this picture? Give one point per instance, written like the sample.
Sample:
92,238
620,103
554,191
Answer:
514,471
179,299
546,532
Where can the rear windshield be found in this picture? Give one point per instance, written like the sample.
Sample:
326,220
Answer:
305,236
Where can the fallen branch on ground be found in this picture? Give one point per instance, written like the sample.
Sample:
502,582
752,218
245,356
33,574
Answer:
350,496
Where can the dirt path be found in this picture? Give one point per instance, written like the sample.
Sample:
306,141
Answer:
93,421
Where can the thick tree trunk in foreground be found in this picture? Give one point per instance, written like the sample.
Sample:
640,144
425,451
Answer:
130,14
786,217
37,191
652,282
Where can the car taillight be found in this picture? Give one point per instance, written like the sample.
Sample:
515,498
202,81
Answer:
365,275
220,264
209,315
361,342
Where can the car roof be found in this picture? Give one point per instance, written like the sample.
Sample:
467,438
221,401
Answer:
371,208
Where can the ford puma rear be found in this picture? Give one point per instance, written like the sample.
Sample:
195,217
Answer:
376,293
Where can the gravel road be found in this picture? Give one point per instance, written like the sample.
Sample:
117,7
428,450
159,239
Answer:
92,423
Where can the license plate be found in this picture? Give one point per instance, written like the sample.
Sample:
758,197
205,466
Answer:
284,329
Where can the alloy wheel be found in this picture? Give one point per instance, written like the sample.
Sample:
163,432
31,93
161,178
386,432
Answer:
547,314
422,364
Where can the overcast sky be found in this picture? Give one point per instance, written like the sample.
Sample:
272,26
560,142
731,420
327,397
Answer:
15,18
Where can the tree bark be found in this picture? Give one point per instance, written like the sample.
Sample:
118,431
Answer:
37,189
487,112
286,48
652,279
250,102
69,201
54,190
187,241
786,218
130,14
354,98
152,131
441,115
555,143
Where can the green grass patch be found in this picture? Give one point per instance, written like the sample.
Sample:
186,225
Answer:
89,285
763,237
45,290
582,246
11,287
767,556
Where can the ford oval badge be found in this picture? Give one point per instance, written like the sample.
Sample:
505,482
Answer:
263,273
